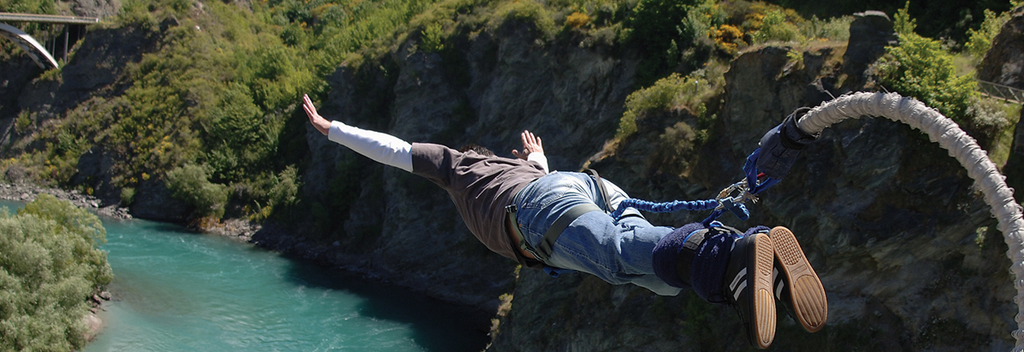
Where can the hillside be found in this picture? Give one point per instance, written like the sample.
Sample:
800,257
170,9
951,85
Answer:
196,121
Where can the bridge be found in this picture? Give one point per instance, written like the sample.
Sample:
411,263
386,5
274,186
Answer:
38,52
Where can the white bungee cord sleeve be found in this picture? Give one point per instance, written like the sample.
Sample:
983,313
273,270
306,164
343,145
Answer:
381,147
960,146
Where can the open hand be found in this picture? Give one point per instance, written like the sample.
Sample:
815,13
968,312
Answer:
319,122
531,144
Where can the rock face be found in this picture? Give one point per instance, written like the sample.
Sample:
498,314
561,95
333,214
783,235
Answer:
907,252
1004,63
404,228
889,221
870,33
96,8
153,201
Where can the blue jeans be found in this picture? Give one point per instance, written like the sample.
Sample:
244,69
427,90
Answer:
618,252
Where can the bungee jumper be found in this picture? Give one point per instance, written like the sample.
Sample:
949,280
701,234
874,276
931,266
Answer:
557,221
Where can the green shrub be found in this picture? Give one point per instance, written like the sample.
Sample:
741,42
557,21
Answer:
655,23
268,194
433,38
127,196
775,26
670,93
980,40
920,68
49,267
528,11
135,13
189,183
902,22
22,122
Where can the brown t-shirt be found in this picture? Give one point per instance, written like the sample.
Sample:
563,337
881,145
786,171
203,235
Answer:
481,187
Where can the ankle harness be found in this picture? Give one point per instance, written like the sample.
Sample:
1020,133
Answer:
692,243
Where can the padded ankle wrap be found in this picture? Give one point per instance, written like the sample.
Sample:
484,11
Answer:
708,268
675,252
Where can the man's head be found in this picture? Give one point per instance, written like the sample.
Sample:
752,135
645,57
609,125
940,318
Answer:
476,148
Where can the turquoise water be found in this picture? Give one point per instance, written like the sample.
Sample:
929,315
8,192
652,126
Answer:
180,291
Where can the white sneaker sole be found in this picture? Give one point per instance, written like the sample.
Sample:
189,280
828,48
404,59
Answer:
806,292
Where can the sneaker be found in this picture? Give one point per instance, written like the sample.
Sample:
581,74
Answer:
748,287
796,284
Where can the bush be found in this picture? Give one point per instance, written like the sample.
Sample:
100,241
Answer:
980,41
728,39
269,194
775,26
189,183
577,19
127,196
672,92
433,38
528,11
920,68
49,267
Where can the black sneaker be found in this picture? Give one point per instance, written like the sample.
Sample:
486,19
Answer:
748,287
796,284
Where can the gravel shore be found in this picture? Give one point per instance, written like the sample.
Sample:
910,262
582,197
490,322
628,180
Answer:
24,192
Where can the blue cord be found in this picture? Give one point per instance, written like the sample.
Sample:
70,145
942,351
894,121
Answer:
751,174
666,207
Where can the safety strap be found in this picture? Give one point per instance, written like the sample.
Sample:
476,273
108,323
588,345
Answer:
544,248
604,191
563,221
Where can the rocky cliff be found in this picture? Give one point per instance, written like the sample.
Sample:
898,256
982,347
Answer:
907,251
404,228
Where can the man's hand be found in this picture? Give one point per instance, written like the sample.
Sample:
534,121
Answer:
531,144
321,124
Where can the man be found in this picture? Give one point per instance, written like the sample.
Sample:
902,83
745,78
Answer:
559,221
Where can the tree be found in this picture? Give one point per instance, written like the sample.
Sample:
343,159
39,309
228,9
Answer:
49,266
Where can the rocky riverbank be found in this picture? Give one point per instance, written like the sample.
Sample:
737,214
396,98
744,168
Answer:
241,229
92,321
25,192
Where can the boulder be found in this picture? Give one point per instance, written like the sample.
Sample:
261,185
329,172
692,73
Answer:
870,33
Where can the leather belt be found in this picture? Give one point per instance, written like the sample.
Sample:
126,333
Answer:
518,240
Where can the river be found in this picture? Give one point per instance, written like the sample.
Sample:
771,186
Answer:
176,290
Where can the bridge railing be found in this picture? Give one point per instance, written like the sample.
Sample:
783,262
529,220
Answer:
1001,91
30,17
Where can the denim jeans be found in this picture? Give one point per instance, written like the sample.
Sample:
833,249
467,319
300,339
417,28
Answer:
618,252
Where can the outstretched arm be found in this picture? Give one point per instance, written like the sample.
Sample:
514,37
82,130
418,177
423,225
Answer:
533,150
382,148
